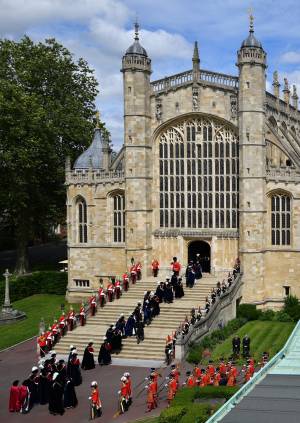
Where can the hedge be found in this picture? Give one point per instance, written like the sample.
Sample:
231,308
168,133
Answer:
210,341
50,282
172,415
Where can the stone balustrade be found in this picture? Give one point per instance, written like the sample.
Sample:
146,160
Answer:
220,313
184,78
92,176
283,175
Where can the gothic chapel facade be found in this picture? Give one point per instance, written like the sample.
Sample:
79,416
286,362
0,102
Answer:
210,164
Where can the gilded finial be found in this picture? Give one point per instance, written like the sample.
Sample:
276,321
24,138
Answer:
97,119
251,19
136,30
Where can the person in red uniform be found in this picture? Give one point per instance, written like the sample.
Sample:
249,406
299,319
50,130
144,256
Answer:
190,380
56,331
197,374
231,378
42,343
71,319
151,394
118,289
172,389
175,266
175,373
93,304
217,377
205,378
211,372
125,278
95,402
110,291
123,395
49,339
138,269
82,314
101,294
155,267
133,274
14,397
62,323
129,387
222,366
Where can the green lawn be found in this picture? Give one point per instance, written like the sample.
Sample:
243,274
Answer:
35,307
264,335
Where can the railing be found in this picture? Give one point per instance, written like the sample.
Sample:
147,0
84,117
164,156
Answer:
212,319
277,103
245,389
184,78
78,176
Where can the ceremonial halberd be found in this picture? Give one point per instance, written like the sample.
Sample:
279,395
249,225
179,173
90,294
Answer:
210,165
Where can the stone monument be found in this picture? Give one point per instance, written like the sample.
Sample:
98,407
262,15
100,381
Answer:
8,314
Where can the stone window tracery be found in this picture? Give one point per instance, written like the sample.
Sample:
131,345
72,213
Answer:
118,201
281,219
82,221
206,175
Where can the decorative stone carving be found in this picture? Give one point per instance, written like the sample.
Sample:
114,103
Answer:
195,99
233,106
158,109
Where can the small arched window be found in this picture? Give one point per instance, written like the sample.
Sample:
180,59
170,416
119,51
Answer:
82,221
118,218
281,219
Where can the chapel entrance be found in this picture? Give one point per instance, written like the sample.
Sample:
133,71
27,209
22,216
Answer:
202,248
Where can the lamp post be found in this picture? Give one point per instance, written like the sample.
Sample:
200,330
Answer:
6,306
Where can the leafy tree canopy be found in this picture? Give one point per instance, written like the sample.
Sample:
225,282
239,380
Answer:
46,113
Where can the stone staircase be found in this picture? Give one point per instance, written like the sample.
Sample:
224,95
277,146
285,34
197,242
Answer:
152,348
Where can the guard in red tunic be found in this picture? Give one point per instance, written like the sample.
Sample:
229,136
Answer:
95,404
155,267
71,319
118,289
217,377
62,324
49,339
151,394
129,387
190,380
123,395
110,292
172,389
133,274
101,295
93,304
125,278
42,343
175,266
82,314
197,374
56,331
175,373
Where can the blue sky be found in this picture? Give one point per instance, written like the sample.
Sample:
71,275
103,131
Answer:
101,30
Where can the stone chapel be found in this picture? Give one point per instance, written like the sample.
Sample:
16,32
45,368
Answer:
210,164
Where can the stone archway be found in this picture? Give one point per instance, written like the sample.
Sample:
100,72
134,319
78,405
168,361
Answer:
202,248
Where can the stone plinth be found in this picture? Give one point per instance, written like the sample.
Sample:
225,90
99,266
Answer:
11,316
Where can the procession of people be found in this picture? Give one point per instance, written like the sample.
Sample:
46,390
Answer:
54,381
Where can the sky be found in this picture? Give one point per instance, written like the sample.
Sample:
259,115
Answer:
101,30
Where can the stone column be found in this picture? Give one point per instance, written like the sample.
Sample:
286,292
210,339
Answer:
6,306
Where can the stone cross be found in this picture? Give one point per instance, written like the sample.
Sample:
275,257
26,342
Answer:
7,306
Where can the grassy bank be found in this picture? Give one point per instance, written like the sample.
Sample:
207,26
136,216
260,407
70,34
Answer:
35,307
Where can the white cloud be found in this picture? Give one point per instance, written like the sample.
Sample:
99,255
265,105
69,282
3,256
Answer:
290,57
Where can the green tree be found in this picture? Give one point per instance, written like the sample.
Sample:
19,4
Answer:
46,114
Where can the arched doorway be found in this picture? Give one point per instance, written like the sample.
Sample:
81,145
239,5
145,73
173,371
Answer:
202,248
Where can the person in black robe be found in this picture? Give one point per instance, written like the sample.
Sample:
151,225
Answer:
120,325
62,370
56,392
138,312
88,361
169,294
140,336
178,289
130,326
190,275
33,386
70,398
44,386
72,348
109,333
116,342
74,371
154,304
104,356
160,291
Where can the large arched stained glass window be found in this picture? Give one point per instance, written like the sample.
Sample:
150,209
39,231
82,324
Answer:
198,173
281,219
82,221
